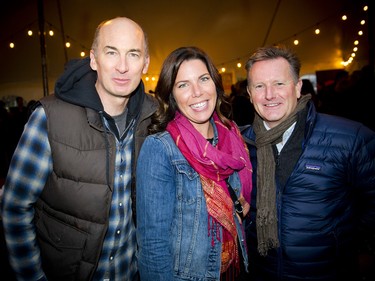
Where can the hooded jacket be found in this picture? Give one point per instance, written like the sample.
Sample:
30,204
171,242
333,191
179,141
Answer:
323,206
73,210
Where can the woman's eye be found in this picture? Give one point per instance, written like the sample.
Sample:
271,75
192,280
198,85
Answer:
205,78
182,85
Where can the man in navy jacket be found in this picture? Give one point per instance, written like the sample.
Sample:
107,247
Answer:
313,200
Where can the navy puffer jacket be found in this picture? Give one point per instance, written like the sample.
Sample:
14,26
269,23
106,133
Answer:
325,209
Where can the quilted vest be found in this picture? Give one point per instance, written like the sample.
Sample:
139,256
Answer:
72,212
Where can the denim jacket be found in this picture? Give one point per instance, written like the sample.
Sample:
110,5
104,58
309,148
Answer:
172,218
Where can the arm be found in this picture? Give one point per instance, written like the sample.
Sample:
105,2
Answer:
156,197
29,169
363,169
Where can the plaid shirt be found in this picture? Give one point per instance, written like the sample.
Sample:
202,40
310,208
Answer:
29,170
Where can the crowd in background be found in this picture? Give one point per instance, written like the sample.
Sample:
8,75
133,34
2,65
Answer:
350,95
12,120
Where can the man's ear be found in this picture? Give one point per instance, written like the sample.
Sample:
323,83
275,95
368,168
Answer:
248,91
147,63
298,88
92,60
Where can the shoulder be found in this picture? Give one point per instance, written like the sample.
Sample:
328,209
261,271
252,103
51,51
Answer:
150,101
163,138
339,136
342,127
161,143
159,150
52,104
245,128
37,120
247,133
146,108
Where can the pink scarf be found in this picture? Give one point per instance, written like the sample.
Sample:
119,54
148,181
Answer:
215,165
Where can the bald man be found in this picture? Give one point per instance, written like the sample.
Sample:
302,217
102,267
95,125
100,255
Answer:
67,205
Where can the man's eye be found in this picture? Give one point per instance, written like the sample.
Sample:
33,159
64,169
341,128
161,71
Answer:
134,55
279,85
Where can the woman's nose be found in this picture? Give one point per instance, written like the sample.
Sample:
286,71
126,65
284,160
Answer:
196,91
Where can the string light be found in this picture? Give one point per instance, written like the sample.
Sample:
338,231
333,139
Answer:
50,32
356,43
28,29
316,28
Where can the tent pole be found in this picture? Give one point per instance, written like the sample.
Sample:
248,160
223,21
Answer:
43,46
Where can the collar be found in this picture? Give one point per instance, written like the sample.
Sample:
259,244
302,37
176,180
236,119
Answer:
285,137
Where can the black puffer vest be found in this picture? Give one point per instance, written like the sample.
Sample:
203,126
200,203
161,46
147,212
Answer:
72,212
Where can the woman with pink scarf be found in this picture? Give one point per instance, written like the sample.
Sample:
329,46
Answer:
194,178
